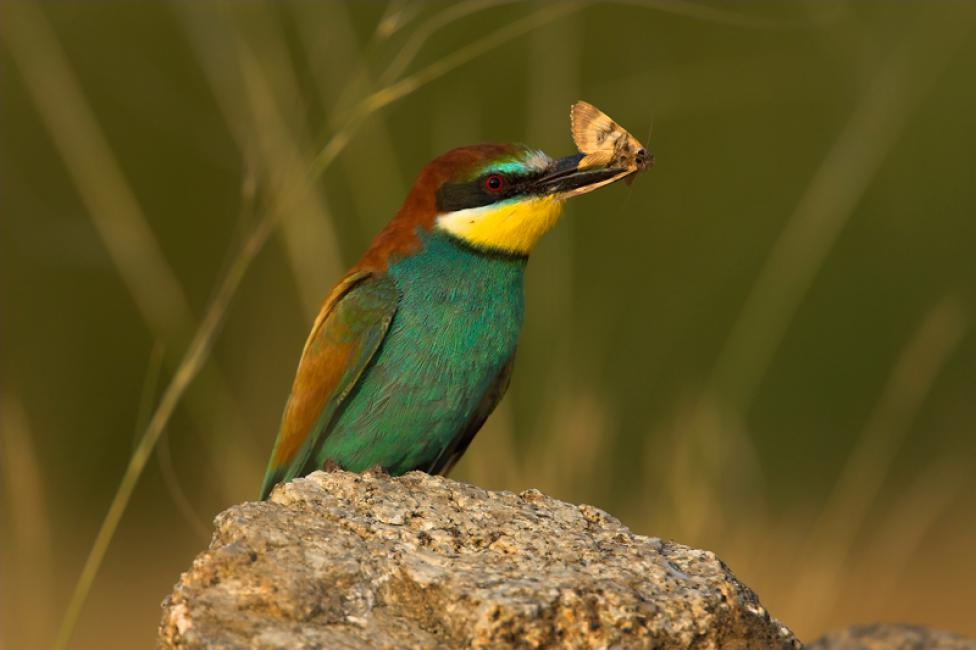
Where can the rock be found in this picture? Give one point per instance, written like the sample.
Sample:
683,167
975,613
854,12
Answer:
891,637
339,560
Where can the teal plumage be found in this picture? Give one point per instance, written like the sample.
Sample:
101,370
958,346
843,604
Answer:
454,332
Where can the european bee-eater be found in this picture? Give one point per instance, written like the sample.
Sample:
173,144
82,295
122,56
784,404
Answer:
414,347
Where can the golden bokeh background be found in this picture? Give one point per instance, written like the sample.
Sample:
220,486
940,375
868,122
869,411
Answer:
763,347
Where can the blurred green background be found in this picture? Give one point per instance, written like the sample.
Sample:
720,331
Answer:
763,347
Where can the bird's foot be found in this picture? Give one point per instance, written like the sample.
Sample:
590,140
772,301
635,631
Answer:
377,470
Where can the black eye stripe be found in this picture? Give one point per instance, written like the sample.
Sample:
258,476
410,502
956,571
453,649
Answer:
474,194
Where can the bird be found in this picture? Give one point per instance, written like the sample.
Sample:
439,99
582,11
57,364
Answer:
414,347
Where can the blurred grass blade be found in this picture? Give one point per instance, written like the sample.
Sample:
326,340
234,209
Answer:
182,501
440,20
146,401
902,536
26,535
397,90
110,203
395,17
250,93
861,480
911,379
147,396
721,16
571,424
827,204
186,372
118,218
374,179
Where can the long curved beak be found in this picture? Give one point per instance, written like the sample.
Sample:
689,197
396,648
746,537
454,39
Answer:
565,178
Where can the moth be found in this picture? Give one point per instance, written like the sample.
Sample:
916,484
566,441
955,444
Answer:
605,143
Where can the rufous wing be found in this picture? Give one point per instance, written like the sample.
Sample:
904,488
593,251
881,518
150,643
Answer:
350,326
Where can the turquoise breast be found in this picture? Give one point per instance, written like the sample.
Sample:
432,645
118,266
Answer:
456,327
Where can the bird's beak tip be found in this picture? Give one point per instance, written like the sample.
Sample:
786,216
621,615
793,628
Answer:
566,178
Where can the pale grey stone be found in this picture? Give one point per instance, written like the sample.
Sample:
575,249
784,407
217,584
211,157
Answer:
339,560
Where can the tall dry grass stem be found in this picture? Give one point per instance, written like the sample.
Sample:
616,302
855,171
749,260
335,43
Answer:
111,204
416,40
117,216
252,104
901,535
704,447
826,206
399,89
311,242
715,14
186,372
396,15
828,546
164,458
26,533
373,174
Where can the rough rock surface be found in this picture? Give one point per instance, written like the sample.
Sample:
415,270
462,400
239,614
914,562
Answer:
341,560
891,637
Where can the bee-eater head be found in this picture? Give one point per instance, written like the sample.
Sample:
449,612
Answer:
505,197
495,197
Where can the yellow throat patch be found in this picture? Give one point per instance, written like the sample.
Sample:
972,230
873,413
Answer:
513,227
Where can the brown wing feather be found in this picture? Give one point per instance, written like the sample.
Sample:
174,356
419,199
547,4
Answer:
315,380
351,324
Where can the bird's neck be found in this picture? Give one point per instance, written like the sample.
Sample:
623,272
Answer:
444,259
455,293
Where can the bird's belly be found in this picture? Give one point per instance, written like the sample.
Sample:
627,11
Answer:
443,353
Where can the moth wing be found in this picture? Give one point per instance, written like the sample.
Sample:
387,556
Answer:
599,158
592,128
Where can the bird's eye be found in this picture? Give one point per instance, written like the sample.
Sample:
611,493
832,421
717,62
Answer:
494,183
